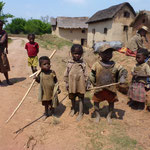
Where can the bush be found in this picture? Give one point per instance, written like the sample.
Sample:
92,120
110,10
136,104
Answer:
16,26
19,25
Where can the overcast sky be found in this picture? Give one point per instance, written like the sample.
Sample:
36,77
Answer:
72,8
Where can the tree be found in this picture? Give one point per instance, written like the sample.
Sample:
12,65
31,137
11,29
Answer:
3,16
37,27
16,26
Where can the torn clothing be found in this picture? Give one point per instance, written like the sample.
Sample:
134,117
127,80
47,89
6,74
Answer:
76,76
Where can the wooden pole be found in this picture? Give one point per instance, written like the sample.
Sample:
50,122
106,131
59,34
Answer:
31,85
104,86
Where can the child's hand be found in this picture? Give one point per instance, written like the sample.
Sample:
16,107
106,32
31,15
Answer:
88,85
67,86
6,50
58,91
122,80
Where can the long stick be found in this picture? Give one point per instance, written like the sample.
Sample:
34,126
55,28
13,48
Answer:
104,86
38,72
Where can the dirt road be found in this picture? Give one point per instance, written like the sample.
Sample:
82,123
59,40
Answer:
62,132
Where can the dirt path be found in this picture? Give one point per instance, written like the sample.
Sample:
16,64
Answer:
62,132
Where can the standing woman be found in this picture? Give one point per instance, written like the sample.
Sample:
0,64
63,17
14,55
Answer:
4,63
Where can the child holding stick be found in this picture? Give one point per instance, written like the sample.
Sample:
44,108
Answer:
105,72
48,86
140,73
32,50
76,77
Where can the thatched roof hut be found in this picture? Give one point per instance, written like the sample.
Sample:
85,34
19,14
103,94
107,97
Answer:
142,18
70,22
109,13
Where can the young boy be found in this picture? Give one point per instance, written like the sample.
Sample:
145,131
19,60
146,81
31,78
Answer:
76,77
48,86
32,50
105,72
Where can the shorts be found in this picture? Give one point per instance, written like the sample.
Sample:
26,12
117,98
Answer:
74,95
105,95
33,61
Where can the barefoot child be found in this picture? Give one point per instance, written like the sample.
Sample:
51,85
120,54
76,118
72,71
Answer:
75,77
140,73
32,50
105,72
48,86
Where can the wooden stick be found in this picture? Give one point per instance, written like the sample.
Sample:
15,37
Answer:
104,86
38,72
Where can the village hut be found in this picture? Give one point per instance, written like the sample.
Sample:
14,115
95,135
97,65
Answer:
71,28
111,24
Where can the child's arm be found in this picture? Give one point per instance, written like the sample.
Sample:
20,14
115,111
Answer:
93,75
37,78
66,79
37,48
122,74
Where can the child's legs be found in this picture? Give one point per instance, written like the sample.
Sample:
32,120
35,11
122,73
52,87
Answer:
81,106
46,110
96,111
81,103
111,106
72,97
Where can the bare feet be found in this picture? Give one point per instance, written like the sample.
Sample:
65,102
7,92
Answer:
72,112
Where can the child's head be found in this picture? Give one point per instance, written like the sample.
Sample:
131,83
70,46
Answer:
31,37
44,63
141,55
106,52
76,51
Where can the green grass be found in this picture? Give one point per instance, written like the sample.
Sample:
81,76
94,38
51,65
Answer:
108,137
49,41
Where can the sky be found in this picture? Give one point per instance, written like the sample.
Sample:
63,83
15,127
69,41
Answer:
36,9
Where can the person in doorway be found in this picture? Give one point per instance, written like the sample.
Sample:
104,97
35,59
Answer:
136,41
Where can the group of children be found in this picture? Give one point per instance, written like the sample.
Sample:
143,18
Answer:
103,72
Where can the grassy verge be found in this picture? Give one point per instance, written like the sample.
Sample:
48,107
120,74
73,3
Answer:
108,137
49,41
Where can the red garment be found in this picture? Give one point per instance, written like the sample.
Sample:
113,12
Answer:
131,53
32,49
105,95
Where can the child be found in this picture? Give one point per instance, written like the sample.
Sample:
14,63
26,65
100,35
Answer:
48,86
75,77
32,50
140,72
105,72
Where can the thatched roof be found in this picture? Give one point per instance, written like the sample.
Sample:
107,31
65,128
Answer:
141,14
72,22
109,13
53,21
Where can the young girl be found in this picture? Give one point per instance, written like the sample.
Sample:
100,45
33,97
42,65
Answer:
76,77
32,50
140,72
48,86
105,72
